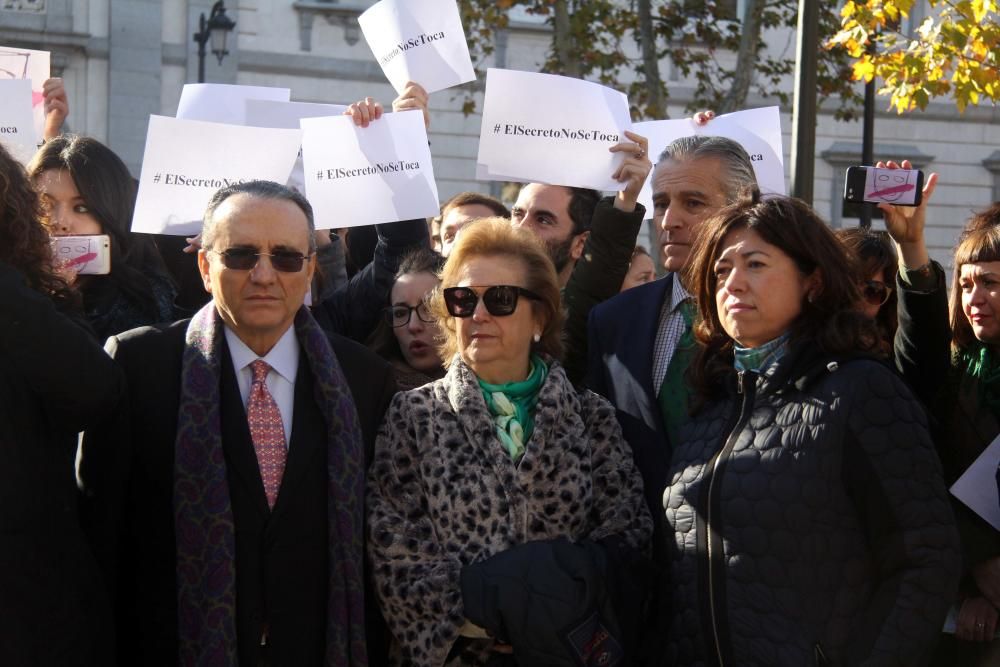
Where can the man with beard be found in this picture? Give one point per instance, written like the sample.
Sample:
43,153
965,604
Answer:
589,239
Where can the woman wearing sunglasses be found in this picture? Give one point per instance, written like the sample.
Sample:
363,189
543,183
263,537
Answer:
811,524
500,452
955,369
407,336
875,257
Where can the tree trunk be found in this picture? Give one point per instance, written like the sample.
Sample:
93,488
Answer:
563,41
656,106
746,58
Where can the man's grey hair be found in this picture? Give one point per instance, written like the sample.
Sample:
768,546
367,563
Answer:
739,180
263,190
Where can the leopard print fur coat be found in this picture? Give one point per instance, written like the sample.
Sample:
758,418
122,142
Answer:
443,493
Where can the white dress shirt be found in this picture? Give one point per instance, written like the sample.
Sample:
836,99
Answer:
284,362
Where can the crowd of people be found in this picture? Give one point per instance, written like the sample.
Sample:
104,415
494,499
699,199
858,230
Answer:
495,438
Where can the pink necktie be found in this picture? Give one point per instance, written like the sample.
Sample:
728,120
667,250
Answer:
266,431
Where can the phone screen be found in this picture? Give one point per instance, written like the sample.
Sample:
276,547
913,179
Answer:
892,186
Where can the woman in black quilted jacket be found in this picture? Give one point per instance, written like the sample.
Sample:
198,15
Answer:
811,522
955,368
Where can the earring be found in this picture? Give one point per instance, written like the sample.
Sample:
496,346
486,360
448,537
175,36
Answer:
538,336
811,298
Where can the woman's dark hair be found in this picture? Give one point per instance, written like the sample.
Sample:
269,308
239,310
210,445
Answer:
979,243
108,189
829,317
24,241
873,251
421,260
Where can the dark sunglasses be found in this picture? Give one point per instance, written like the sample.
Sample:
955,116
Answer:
399,316
500,300
875,292
245,259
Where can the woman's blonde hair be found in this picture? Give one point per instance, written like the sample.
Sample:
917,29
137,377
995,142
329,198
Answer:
496,237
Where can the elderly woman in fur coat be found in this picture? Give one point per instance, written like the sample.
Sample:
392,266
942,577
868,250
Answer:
501,452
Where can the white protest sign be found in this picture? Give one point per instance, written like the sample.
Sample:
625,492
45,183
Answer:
268,113
366,176
758,131
186,161
18,63
561,136
418,40
17,130
977,487
224,103
265,113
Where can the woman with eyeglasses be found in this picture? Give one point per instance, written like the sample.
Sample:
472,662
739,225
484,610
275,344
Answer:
953,362
501,452
810,520
875,256
87,191
407,336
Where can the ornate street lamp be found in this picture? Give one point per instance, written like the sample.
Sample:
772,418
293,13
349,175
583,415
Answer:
215,29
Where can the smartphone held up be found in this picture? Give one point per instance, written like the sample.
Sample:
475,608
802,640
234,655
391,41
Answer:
85,255
877,185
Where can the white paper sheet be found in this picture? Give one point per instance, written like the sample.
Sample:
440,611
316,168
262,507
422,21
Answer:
977,487
224,103
365,176
186,161
757,130
18,63
268,113
17,129
418,40
265,113
551,129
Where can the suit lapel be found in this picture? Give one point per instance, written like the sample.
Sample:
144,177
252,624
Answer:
241,459
641,357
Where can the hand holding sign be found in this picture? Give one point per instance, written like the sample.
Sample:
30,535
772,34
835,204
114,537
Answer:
633,171
413,97
418,40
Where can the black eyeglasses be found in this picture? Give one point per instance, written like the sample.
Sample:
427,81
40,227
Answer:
399,316
500,300
245,259
875,292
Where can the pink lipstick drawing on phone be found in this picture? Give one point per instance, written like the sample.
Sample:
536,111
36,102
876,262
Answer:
82,259
898,189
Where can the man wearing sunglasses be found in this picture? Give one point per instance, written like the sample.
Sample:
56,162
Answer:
230,492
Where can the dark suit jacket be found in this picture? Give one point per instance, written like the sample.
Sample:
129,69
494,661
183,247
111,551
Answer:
622,332
281,557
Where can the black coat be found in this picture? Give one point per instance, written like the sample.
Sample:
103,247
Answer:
281,558
54,381
811,522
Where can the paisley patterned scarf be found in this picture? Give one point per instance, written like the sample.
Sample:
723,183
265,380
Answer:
203,518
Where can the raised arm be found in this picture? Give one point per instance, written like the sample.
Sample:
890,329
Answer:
602,267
